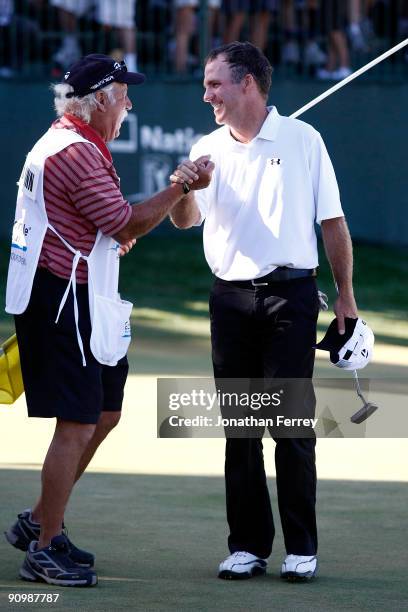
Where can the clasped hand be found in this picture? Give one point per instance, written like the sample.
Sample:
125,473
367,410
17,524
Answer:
196,174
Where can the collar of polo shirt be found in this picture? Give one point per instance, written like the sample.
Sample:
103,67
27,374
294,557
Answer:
270,126
268,130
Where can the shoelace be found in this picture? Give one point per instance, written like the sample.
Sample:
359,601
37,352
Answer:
65,533
239,554
61,547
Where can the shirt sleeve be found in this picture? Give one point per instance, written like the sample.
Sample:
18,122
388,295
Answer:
325,188
97,196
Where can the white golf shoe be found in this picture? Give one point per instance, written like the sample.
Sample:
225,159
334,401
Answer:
299,568
241,565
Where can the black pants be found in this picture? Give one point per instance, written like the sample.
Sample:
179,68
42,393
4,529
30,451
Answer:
267,332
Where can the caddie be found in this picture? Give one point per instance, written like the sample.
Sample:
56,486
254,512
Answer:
73,330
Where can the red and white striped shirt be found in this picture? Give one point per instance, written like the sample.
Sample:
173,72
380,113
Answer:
82,195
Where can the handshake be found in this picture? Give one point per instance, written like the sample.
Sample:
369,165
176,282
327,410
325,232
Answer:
196,175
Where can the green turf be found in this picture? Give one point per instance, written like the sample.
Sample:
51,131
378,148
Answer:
168,280
159,539
167,271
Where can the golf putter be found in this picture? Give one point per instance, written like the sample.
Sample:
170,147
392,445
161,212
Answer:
366,410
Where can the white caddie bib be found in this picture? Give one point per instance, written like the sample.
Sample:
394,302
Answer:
110,315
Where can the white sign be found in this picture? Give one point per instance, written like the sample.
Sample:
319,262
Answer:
154,138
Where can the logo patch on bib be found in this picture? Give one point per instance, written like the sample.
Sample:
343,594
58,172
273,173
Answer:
30,181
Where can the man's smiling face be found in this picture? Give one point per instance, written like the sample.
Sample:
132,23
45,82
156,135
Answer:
226,98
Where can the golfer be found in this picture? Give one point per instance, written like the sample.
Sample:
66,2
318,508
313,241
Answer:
273,180
73,331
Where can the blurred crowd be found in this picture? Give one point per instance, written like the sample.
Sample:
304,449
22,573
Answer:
319,36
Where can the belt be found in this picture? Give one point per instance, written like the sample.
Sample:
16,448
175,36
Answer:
276,276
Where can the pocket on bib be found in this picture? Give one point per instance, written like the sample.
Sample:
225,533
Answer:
111,335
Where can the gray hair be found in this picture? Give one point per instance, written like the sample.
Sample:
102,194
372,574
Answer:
80,107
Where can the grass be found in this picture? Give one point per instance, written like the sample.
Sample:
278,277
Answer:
167,271
159,539
168,280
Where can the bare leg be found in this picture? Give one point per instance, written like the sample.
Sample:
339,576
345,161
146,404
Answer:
232,29
213,27
184,31
58,475
290,50
67,20
288,15
332,55
70,49
107,421
354,11
127,37
259,29
339,42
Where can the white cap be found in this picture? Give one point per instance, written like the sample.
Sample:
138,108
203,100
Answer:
354,349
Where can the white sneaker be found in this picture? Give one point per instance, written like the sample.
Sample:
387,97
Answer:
241,565
341,73
325,75
290,52
314,56
299,568
357,40
6,72
69,52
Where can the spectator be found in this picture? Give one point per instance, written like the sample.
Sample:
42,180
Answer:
290,50
20,34
313,55
185,25
236,12
334,22
300,23
119,14
403,20
355,30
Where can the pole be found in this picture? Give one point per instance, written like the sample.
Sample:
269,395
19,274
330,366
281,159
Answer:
348,79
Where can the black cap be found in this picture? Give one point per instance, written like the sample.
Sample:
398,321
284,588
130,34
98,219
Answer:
333,341
95,71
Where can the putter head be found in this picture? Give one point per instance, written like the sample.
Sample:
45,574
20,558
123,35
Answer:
364,412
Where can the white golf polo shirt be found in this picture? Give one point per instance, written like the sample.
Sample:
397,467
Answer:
265,197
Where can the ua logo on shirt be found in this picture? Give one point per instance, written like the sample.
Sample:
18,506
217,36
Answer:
275,161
